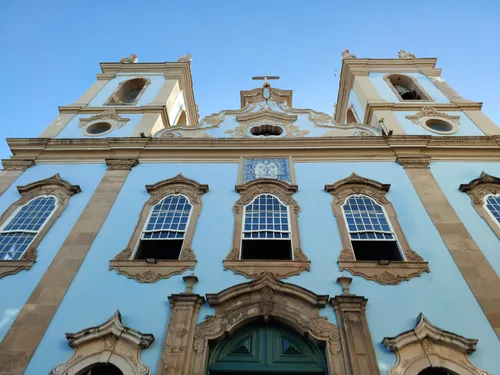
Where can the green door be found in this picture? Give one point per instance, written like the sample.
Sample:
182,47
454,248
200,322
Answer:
266,349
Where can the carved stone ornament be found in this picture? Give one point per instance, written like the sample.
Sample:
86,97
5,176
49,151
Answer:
429,346
111,342
428,113
17,165
186,58
385,274
121,164
478,189
280,269
139,269
346,54
131,59
414,162
402,54
269,299
108,115
54,186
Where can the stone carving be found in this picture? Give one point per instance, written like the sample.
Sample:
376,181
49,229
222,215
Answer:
271,298
386,274
402,54
62,190
254,268
478,189
132,59
429,112
121,164
414,162
108,115
110,342
17,165
427,345
346,54
186,58
289,130
139,269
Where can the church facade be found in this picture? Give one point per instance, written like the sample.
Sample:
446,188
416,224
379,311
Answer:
137,238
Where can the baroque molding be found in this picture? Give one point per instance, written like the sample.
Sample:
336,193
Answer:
108,115
138,269
402,54
430,112
253,269
414,162
121,164
110,342
17,165
392,273
429,346
266,298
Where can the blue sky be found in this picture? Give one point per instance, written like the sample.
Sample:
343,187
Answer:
50,50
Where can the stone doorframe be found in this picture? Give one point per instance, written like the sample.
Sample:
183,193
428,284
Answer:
267,298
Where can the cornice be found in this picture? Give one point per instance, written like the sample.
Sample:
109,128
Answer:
367,148
17,165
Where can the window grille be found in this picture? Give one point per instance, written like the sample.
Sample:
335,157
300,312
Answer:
492,205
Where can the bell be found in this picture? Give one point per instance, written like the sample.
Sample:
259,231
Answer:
405,93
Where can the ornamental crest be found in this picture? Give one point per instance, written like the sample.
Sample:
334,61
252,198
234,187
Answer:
278,169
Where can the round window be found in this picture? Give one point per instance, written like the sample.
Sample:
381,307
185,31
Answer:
266,130
98,128
439,126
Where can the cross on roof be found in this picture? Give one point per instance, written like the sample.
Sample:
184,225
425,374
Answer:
265,77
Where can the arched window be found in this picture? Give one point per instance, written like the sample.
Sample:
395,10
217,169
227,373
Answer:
406,88
492,206
351,117
129,92
161,243
374,245
165,230
266,235
17,234
101,369
371,233
182,118
485,194
266,230
24,224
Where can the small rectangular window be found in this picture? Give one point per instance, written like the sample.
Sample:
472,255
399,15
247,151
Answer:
376,250
159,249
266,249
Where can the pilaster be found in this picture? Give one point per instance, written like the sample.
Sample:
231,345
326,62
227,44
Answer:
57,125
178,342
12,169
482,279
25,334
483,122
357,344
365,90
91,92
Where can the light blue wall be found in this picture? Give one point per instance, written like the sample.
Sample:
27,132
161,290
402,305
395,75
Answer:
353,100
73,131
16,289
386,93
390,311
147,97
450,175
466,127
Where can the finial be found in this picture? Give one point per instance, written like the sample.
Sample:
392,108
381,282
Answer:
402,54
132,59
346,54
190,281
186,58
344,283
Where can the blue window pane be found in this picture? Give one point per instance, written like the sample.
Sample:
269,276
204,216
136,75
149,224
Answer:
169,218
265,217
493,206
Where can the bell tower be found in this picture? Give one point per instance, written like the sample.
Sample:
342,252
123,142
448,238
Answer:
406,96
130,99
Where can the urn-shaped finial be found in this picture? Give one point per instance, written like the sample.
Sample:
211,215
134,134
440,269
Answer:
344,283
190,280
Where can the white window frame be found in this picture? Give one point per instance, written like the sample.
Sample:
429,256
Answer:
488,210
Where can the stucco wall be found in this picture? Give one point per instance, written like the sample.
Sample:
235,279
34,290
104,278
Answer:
442,295
16,289
450,175
466,127
73,131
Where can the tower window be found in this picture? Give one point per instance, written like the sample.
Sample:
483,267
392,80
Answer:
98,128
24,225
266,230
128,92
163,235
371,234
266,130
351,117
439,125
406,88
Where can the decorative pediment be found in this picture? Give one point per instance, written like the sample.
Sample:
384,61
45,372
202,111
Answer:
266,115
108,115
179,181
429,346
431,112
355,184
257,95
110,342
480,187
49,184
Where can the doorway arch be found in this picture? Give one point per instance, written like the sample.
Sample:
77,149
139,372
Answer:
264,348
